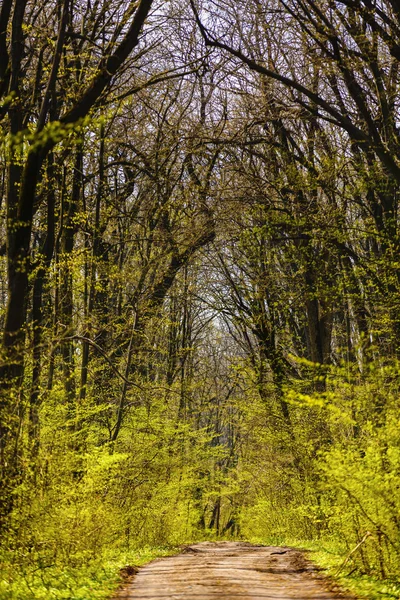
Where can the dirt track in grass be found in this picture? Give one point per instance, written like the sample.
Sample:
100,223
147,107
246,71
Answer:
231,570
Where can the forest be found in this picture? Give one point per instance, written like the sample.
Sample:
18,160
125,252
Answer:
199,285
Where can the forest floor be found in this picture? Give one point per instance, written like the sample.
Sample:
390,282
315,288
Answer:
230,570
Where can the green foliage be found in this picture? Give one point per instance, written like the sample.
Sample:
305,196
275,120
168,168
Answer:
193,247
344,490
94,579
329,554
86,508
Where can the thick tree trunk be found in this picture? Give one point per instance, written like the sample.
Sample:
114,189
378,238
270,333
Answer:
45,256
96,253
69,227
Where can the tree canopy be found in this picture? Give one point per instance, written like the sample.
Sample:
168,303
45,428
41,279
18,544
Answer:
199,282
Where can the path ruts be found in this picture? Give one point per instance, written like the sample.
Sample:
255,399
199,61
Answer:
230,570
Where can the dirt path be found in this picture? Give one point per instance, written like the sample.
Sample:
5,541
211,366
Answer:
230,570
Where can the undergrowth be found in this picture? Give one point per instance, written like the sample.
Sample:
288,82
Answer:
96,580
331,557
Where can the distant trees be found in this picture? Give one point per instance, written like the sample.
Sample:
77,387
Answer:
336,72
307,277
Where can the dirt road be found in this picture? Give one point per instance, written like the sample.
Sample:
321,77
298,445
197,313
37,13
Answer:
230,570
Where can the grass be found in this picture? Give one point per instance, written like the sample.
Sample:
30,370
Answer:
330,558
98,579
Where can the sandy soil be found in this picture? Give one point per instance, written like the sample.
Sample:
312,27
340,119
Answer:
230,570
